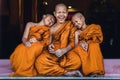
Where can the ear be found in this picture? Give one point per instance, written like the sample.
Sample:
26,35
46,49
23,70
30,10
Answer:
54,13
44,16
83,18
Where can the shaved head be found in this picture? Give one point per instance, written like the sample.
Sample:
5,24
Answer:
78,20
78,15
60,5
61,13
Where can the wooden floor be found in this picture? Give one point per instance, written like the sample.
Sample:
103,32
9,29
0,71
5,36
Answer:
112,69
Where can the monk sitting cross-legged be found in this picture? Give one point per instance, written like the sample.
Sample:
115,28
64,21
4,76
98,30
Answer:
35,39
58,60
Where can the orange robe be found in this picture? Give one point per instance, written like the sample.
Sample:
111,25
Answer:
48,64
92,60
23,58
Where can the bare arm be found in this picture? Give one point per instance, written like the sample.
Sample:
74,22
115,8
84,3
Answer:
61,51
68,48
77,33
27,30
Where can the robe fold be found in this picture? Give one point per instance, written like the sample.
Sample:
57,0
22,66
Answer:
48,64
23,58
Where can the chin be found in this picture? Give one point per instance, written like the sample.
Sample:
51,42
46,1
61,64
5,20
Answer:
61,21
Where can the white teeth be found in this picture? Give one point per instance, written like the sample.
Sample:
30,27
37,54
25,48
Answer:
62,18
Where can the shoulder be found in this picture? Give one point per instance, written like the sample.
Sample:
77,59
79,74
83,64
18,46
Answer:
44,27
31,24
96,26
69,24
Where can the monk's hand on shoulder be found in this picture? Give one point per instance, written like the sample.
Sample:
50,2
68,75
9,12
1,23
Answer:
27,44
60,52
84,45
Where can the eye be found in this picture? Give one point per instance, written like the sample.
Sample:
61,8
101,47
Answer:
58,12
76,21
64,12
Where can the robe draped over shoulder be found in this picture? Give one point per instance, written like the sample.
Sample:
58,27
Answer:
48,64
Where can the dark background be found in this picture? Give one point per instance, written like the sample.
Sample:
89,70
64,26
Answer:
14,14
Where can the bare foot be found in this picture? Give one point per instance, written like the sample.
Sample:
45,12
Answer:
74,73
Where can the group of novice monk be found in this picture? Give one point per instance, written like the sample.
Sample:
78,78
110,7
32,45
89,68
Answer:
59,48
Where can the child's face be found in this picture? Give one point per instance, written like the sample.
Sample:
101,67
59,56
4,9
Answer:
78,22
61,13
49,20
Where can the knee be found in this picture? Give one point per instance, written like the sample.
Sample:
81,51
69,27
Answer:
77,62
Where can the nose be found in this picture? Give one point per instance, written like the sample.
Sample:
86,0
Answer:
75,23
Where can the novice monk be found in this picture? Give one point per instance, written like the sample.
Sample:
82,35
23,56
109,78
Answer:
87,40
57,61
34,41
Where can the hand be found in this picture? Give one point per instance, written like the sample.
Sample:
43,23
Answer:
59,52
33,40
78,32
27,44
51,48
24,40
84,45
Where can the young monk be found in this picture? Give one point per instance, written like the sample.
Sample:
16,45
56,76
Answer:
56,61
87,40
36,37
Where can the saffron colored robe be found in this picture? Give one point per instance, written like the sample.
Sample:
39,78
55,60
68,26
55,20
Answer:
91,60
23,58
48,64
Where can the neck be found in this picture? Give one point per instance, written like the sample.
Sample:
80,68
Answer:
41,23
59,23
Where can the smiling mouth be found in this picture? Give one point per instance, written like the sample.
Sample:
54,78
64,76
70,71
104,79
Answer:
61,19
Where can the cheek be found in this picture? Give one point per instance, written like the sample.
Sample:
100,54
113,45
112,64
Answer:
56,15
46,22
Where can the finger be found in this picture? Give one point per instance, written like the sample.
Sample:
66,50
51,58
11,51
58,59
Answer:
52,46
53,52
57,55
27,45
85,49
51,49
